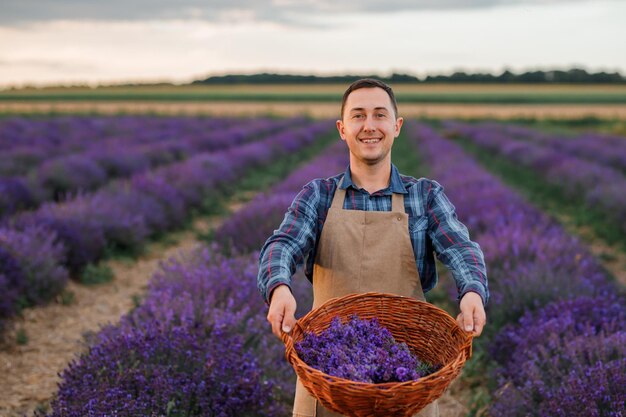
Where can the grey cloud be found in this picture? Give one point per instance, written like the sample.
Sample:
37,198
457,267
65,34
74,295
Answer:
282,11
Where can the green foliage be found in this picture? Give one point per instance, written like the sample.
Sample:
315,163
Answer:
41,409
124,254
136,298
266,78
96,274
67,297
21,338
205,236
213,205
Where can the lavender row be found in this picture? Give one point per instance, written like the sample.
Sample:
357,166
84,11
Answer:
57,178
127,213
603,149
188,350
601,188
248,229
199,344
27,142
556,323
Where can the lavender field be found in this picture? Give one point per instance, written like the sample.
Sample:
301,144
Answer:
557,332
77,190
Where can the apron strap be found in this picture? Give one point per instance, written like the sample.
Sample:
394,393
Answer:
338,198
397,203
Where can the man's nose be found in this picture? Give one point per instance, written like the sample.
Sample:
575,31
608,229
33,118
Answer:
368,124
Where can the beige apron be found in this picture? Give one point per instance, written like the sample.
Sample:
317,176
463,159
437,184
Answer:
362,251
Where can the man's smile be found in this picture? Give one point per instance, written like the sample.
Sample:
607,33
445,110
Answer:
370,140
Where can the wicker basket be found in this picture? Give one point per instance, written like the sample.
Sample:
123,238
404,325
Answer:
429,332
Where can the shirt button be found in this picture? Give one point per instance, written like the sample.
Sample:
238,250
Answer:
399,218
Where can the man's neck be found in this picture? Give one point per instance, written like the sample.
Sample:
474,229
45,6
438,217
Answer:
371,178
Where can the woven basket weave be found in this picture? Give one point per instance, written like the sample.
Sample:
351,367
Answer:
428,331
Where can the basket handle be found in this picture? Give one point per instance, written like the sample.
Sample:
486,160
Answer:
286,337
468,347
468,344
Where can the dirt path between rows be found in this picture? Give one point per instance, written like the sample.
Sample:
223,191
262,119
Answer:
56,332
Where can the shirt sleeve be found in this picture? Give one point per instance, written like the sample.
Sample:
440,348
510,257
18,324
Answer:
453,246
291,243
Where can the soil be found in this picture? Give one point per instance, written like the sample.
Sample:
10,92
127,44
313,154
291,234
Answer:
320,110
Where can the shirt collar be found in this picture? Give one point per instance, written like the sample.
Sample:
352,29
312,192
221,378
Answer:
395,185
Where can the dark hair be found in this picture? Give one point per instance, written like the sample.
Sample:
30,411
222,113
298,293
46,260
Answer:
369,83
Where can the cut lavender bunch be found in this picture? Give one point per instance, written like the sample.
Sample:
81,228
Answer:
361,350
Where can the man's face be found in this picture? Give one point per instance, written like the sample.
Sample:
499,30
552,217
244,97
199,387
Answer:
369,125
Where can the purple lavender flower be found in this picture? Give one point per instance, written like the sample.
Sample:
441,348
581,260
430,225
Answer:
82,240
69,174
197,346
590,316
581,376
362,351
11,283
32,266
152,370
584,180
15,195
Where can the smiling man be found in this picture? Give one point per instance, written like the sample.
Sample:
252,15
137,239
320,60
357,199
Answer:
370,229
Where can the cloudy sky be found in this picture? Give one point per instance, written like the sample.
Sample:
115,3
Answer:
45,42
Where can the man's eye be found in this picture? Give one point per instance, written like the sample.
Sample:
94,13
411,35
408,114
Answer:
381,115
357,116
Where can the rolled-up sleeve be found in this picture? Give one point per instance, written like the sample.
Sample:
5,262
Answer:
290,243
453,246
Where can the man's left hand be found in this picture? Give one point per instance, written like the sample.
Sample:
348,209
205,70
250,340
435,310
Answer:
472,317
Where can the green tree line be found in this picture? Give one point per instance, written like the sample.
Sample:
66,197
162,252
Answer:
571,76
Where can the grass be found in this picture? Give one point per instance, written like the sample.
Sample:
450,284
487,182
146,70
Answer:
441,93
66,297
96,274
21,338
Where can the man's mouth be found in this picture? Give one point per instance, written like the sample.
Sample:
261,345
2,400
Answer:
370,140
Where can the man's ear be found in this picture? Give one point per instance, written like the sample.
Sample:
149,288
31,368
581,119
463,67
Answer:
399,122
340,129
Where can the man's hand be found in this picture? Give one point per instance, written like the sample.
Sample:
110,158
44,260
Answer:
282,310
472,317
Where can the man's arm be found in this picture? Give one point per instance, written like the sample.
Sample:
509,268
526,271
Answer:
283,252
463,258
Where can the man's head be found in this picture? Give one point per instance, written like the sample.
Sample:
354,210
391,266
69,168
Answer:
369,83
369,122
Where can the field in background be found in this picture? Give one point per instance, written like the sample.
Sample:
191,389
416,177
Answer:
465,101
407,93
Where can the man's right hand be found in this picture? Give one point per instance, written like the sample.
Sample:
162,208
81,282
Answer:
282,310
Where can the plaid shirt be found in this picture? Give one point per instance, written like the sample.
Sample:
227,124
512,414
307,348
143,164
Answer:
433,227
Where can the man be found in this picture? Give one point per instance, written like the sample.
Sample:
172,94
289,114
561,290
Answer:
370,229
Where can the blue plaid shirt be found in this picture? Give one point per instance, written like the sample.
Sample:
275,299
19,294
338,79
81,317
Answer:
433,227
